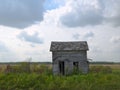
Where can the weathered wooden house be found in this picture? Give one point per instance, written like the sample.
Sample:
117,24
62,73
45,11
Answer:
69,55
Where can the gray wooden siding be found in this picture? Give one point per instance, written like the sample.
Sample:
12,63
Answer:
69,58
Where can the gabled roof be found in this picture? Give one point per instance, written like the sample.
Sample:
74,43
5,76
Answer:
69,46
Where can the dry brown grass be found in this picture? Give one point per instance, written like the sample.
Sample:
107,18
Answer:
113,66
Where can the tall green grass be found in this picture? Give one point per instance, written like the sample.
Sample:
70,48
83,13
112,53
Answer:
46,81
33,81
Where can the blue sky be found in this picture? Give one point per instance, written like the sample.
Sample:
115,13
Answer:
27,28
53,4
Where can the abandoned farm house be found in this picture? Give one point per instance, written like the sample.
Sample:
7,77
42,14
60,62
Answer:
66,56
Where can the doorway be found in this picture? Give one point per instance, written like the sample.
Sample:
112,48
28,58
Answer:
75,65
61,67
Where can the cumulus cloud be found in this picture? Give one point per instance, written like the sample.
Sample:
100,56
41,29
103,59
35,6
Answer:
71,13
84,36
76,36
115,21
88,35
3,47
111,12
115,39
34,38
82,13
20,13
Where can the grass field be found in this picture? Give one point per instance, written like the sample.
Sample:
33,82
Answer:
113,66
46,81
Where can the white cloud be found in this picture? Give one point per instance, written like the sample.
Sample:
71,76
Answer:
88,35
6,54
3,47
20,13
83,36
34,41
115,39
81,13
76,36
111,12
30,38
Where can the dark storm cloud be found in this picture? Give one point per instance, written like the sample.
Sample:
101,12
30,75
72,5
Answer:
34,39
20,13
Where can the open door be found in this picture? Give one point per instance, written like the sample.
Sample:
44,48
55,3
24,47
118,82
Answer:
75,65
61,67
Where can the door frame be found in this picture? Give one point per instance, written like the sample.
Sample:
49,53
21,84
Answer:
62,67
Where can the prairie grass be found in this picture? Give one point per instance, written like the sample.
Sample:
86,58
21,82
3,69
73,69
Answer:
91,81
105,79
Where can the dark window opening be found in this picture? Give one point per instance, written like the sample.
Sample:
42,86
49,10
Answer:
61,67
75,65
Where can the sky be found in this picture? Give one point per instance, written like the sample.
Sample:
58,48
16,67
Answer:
27,28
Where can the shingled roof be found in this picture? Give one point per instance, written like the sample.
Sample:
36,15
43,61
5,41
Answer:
69,46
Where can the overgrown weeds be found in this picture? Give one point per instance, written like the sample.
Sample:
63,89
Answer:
41,78
28,81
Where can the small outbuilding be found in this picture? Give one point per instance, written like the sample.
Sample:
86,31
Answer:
68,56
